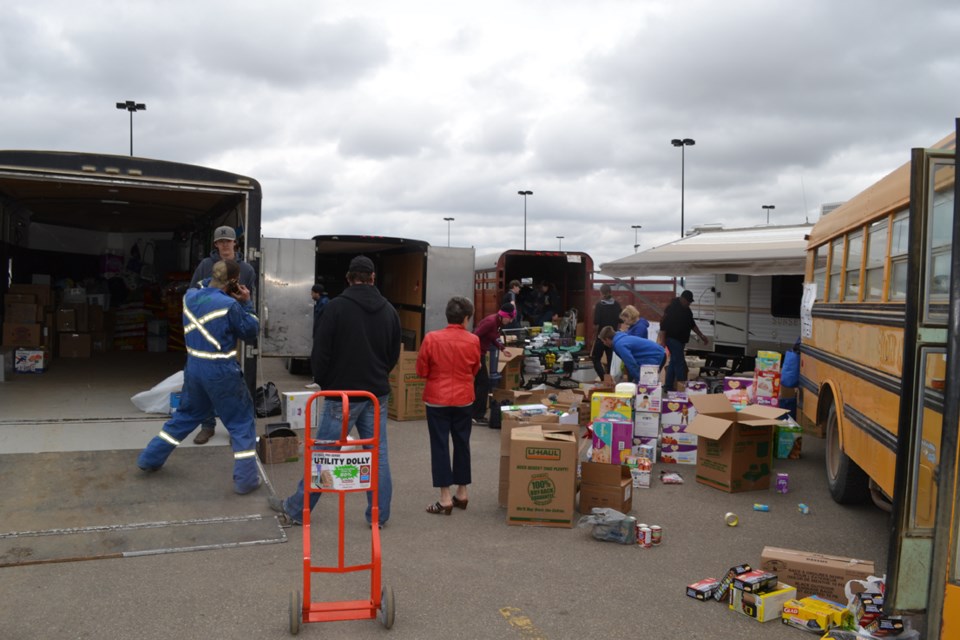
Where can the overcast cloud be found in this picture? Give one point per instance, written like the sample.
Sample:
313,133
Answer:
380,117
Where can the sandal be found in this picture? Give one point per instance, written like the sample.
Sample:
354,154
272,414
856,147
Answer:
460,504
436,507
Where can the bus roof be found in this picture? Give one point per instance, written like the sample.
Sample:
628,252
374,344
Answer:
891,193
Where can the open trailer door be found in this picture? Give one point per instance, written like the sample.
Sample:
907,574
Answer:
286,311
449,273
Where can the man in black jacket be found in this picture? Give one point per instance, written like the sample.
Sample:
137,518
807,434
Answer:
606,313
675,328
355,345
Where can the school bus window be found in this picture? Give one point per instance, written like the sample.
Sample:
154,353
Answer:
939,241
820,271
851,283
876,260
898,257
836,266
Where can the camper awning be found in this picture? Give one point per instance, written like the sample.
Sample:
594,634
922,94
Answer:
755,251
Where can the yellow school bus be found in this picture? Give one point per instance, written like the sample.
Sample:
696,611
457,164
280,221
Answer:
880,371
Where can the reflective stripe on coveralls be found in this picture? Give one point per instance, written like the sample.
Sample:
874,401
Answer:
169,438
240,455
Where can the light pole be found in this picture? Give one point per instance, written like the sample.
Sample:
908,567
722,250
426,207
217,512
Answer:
525,194
131,106
636,243
682,143
768,207
560,243
449,220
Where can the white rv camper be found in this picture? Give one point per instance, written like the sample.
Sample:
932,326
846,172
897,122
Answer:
747,283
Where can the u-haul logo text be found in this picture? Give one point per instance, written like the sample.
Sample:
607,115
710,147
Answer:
542,453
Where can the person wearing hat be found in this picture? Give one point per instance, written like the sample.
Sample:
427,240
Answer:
224,248
606,313
355,345
489,332
320,300
214,319
675,328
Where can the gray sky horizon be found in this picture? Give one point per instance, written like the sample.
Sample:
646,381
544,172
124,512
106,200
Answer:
384,118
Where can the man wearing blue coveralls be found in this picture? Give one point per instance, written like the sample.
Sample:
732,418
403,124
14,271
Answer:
214,318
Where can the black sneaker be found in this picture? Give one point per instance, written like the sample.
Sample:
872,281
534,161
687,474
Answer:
480,421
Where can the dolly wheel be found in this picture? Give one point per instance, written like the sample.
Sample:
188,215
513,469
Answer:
387,607
296,612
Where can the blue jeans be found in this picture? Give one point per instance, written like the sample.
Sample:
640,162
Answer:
677,367
361,417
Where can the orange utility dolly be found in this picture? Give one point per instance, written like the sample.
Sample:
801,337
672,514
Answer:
328,469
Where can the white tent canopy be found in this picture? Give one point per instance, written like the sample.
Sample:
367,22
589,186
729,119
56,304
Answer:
754,251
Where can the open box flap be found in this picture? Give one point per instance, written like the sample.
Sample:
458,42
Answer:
709,426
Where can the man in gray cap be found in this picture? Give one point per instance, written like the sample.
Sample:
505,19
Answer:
355,345
224,248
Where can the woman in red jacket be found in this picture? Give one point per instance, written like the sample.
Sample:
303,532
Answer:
449,359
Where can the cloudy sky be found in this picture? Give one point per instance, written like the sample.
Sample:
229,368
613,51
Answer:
385,116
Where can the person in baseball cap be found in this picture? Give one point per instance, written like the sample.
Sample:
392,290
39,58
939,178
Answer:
675,328
224,248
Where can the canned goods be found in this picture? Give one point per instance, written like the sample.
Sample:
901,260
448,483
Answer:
760,507
731,519
783,482
656,534
646,537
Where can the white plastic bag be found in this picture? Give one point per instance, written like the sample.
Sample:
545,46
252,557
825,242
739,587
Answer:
157,399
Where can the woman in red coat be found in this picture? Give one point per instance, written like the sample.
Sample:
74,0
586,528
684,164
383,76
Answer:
448,360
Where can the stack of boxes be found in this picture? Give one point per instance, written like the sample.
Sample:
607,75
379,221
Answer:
406,389
27,328
759,595
767,378
80,324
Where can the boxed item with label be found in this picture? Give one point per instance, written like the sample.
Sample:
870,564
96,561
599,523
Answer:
676,413
605,485
543,476
22,335
763,606
723,589
406,396
813,613
703,589
31,360
739,390
646,424
815,573
41,292
755,581
676,449
293,409
734,451
649,374
788,439
612,440
767,361
644,446
694,387
611,406
278,444
21,313
767,384
649,397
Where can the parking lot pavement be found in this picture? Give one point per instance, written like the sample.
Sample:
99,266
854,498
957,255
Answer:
468,575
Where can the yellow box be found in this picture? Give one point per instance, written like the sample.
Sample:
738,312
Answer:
814,614
765,606
611,406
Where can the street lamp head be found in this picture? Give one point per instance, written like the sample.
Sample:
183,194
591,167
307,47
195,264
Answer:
131,106
449,219
525,193
677,142
636,226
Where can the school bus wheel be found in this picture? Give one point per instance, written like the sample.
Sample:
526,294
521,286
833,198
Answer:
847,481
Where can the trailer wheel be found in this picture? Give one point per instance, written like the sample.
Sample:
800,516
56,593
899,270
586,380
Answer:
848,483
387,607
296,612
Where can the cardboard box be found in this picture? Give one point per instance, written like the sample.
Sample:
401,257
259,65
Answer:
677,453
31,360
17,334
649,374
703,589
41,292
19,298
766,384
76,345
66,319
815,573
756,581
406,397
611,406
734,452
612,440
606,485
765,606
20,313
281,445
723,589
645,446
407,363
788,440
696,387
293,409
646,424
543,475
814,614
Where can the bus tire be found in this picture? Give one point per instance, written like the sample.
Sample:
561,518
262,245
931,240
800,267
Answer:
847,481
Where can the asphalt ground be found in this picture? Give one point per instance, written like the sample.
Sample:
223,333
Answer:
468,575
